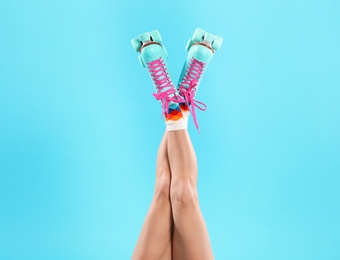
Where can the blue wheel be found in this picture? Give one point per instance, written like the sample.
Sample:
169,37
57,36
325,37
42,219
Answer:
136,43
198,35
217,42
209,37
144,37
155,36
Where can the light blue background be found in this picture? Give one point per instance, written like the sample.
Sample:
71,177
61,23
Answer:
79,129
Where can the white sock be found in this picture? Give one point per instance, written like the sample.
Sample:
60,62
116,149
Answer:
177,119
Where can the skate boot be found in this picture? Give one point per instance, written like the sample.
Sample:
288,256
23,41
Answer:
201,48
153,56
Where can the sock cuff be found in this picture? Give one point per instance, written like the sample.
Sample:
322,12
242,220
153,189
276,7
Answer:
177,125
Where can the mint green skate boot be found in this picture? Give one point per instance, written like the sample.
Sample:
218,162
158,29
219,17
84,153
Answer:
153,55
201,48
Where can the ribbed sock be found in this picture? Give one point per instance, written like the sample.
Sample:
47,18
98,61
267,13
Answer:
177,118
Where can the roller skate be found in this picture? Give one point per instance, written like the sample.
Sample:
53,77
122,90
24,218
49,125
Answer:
201,48
153,56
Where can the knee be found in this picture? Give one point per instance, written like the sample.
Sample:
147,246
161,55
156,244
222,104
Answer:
162,186
183,192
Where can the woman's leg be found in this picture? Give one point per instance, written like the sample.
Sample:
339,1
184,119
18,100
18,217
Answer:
155,240
191,239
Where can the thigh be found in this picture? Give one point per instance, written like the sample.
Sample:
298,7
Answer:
155,240
178,250
185,248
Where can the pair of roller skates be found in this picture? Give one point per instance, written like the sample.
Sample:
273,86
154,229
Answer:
153,55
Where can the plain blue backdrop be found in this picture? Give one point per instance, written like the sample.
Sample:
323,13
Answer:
79,128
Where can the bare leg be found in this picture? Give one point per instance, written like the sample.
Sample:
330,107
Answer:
191,239
155,240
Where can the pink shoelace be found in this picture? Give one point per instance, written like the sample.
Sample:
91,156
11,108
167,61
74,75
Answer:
164,86
188,87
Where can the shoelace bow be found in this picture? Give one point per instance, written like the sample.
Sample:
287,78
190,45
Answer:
189,94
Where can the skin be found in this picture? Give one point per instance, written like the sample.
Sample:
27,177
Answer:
174,227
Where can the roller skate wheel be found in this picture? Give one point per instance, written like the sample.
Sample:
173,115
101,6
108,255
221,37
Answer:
198,35
217,42
155,36
136,43
144,37
189,44
208,37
